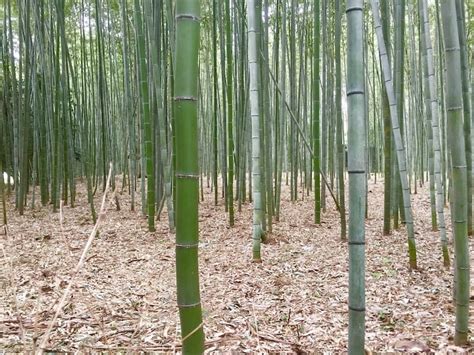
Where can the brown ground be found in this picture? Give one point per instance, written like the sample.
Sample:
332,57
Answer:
295,301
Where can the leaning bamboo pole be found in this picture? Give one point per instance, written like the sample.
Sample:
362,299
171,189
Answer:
399,145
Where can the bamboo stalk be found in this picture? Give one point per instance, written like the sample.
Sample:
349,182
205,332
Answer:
400,149
357,174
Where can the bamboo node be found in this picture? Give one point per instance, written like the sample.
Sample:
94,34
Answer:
452,49
354,8
356,171
355,243
185,98
187,246
356,309
189,305
355,92
187,176
187,17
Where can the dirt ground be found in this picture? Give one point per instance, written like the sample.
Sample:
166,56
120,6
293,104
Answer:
295,301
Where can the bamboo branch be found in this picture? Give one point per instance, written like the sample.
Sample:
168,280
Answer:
61,220
9,264
308,146
79,266
300,131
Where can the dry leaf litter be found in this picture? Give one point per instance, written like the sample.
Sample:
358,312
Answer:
295,301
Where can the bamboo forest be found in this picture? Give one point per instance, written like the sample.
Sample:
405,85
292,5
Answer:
236,176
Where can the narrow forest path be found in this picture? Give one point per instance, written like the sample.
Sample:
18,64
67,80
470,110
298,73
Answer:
296,300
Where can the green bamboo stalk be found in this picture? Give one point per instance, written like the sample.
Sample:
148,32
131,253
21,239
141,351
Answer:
282,111
127,104
339,124
472,135
2,194
357,174
168,65
154,34
433,120
267,125
24,23
367,116
230,114
147,124
187,174
386,71
293,104
15,101
242,136
460,10
102,89
455,131
260,29
316,122
428,126
276,107
85,136
324,115
253,63
57,161
399,95
215,102
223,111
387,148
440,70
65,132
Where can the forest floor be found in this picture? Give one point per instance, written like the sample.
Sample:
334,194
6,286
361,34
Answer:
294,301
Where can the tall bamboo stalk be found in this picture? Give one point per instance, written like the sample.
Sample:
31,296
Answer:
214,102
457,150
460,11
339,123
386,71
316,122
433,116
146,118
230,115
253,63
387,141
187,174
357,174
127,104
